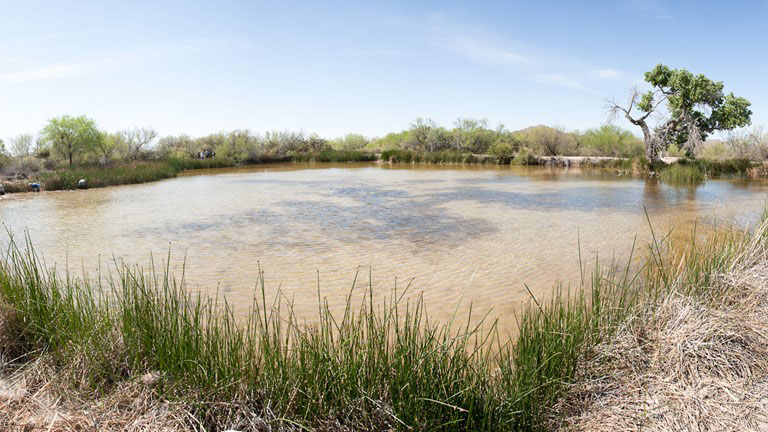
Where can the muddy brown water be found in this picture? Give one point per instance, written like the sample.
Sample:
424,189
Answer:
464,234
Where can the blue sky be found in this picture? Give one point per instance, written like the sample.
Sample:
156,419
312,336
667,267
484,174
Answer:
335,67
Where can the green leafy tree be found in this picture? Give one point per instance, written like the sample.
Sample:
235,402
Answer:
610,140
426,135
350,142
69,136
695,106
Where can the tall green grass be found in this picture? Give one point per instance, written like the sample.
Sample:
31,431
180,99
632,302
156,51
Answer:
682,174
138,172
375,366
332,155
181,164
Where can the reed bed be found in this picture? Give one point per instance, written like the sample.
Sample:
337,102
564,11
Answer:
132,173
682,174
335,156
373,367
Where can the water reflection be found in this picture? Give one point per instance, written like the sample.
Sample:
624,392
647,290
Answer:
464,232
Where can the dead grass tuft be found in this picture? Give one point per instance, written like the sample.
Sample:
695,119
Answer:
31,401
695,362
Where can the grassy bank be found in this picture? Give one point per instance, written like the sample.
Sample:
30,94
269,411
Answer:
375,367
147,171
683,172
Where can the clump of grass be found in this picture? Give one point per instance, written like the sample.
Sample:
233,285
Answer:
724,168
181,164
682,174
332,155
374,367
16,186
715,320
131,173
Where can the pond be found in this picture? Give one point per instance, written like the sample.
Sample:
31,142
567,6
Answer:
464,234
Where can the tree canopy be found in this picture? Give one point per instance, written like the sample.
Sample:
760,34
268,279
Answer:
695,106
71,135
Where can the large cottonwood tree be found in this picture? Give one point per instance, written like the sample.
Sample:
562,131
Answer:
690,108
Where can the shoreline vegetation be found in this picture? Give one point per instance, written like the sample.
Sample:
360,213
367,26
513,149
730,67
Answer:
140,352
72,148
673,170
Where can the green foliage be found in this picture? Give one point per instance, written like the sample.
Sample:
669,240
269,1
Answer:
697,104
720,168
183,164
129,173
475,136
426,135
714,150
524,156
72,135
675,151
350,142
372,367
393,140
330,155
448,156
682,174
503,150
610,140
549,141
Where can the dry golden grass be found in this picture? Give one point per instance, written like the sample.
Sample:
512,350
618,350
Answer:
30,401
688,362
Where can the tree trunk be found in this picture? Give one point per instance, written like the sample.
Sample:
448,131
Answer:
70,159
651,151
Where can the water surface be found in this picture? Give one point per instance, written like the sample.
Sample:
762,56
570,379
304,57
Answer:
465,234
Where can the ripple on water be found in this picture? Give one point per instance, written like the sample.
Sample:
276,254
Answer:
466,235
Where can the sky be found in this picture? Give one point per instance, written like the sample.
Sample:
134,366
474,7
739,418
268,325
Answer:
335,67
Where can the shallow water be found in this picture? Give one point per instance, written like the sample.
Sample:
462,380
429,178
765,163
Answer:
466,234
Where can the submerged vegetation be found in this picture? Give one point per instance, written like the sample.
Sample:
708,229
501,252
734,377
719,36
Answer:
373,367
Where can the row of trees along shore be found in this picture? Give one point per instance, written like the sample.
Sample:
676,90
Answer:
676,117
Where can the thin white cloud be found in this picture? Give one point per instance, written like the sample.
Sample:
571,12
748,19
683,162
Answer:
561,80
606,73
95,65
532,63
375,52
66,70
484,52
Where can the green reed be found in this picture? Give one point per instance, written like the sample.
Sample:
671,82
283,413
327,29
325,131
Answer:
374,366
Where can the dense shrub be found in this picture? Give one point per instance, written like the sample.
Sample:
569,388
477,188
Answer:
524,157
610,140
